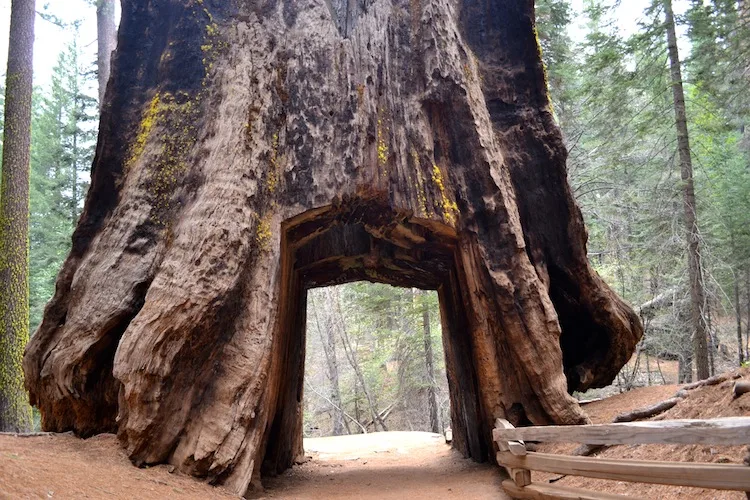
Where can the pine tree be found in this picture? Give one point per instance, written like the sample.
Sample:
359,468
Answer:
62,150
15,412
695,269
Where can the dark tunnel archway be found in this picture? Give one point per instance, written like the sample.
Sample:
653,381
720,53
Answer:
334,245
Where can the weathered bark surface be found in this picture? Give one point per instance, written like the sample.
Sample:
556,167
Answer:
15,412
252,150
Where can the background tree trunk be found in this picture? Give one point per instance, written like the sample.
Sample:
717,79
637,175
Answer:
738,315
15,412
432,404
106,42
351,355
328,340
250,151
695,270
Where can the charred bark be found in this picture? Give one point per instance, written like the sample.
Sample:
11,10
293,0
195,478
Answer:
251,151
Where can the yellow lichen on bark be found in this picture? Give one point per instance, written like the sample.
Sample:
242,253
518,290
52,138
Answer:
421,196
450,209
144,132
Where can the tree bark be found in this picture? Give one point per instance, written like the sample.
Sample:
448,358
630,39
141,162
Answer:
250,151
432,404
106,29
695,270
15,412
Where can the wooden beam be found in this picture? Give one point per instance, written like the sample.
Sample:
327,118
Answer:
516,446
722,431
699,475
542,491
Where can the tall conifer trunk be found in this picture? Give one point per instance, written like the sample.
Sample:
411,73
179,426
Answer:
15,412
432,404
695,270
328,340
738,316
106,42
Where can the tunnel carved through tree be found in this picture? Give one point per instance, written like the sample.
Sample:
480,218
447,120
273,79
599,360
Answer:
251,150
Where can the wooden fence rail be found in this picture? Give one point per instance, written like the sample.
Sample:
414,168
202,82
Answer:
520,463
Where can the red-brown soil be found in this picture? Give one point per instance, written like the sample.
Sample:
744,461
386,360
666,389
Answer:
63,466
391,465
416,466
702,403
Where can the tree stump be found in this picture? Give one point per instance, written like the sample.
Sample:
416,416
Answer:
252,150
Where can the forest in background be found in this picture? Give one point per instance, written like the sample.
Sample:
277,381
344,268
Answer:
374,361
612,97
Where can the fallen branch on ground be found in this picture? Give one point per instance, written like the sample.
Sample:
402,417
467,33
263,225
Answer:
740,388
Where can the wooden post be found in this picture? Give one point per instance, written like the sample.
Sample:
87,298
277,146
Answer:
521,477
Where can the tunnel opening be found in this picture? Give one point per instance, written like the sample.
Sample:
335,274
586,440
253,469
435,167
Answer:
373,362
367,240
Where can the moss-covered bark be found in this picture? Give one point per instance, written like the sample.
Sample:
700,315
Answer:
15,412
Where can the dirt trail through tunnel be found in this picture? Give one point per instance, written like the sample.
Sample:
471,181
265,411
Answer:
386,465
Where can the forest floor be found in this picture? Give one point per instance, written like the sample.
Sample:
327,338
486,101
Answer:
417,466
701,403
391,465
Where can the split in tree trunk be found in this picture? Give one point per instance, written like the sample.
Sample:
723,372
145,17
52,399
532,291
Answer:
251,151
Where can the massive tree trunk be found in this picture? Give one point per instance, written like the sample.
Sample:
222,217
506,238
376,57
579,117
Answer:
695,270
252,150
106,42
15,412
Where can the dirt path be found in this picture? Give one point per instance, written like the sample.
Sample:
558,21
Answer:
386,465
392,465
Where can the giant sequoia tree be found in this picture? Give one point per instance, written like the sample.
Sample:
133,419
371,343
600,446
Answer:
252,150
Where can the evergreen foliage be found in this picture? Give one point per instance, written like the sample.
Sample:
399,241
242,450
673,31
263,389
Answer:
64,133
616,111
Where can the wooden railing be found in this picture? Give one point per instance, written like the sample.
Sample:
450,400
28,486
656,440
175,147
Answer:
513,455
